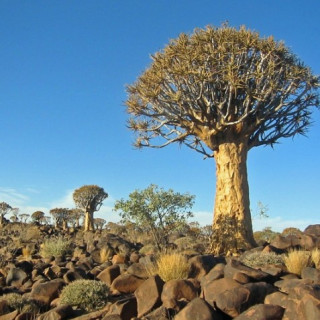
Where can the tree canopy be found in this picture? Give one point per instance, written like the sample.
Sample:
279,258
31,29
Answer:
156,210
219,83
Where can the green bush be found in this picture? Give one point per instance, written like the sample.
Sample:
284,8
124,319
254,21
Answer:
260,259
55,247
18,302
88,295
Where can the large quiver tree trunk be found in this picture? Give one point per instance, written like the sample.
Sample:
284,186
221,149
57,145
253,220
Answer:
232,225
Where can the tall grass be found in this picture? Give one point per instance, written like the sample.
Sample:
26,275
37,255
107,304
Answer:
170,266
315,257
296,260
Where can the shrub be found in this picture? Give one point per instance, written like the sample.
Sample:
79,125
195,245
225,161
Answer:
88,295
260,259
296,260
170,266
52,247
315,257
17,302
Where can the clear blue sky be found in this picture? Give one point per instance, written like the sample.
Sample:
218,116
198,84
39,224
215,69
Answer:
64,67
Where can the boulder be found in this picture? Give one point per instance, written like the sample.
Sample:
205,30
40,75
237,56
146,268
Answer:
126,308
311,274
217,272
148,295
126,283
198,309
16,277
262,312
202,264
176,292
211,290
313,229
233,266
58,313
139,270
44,293
109,274
233,301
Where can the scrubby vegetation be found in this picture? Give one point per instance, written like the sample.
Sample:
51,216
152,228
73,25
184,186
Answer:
55,247
88,295
18,302
260,259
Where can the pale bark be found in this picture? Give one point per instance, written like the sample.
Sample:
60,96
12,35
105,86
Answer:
232,225
88,221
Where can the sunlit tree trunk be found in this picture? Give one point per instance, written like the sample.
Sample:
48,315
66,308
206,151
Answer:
232,225
88,221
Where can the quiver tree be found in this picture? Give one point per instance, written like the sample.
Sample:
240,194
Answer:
221,92
4,209
37,217
74,217
99,223
89,198
61,217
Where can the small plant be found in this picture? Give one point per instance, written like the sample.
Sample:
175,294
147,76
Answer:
315,257
18,302
260,259
296,260
170,266
105,254
54,248
88,295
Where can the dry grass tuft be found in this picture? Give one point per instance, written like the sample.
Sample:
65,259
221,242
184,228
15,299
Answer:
26,253
296,260
315,257
170,266
105,254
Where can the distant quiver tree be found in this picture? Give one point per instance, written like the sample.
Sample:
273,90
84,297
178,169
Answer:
5,208
89,198
221,92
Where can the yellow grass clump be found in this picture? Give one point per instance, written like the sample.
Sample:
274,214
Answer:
170,266
315,257
296,260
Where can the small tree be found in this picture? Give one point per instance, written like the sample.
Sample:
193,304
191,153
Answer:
74,217
14,215
156,210
60,216
24,217
99,223
4,209
37,217
221,92
89,198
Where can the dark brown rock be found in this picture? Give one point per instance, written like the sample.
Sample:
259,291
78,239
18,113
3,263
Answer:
233,266
44,293
9,316
109,274
211,290
125,308
233,301
139,270
16,277
288,284
176,290
313,229
262,312
201,265
258,292
148,295
198,309
311,273
285,243
58,313
126,283
217,272
278,298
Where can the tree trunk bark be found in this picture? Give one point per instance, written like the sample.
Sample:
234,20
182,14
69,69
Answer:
232,225
88,221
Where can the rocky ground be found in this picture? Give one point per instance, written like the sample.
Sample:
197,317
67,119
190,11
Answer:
217,288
